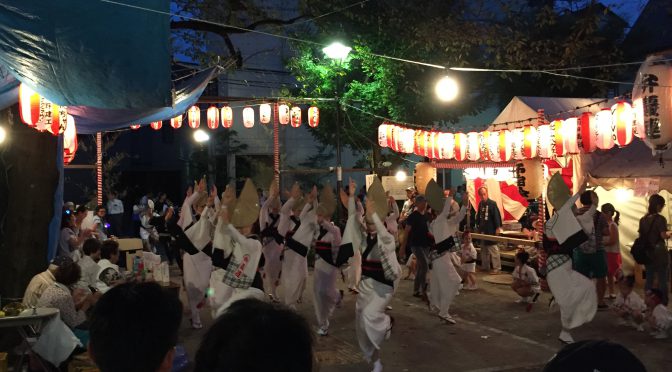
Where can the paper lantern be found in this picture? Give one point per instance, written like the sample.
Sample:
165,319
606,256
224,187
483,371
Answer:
226,115
484,145
545,149
248,117
394,138
176,122
295,115
313,116
418,143
530,142
69,140
382,135
588,132
638,118
406,140
156,125
460,146
652,86
283,114
517,143
622,119
39,113
558,137
264,113
194,117
473,148
212,117
135,126
446,146
505,145
570,130
605,135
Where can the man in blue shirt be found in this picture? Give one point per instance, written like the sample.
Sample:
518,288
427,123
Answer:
488,221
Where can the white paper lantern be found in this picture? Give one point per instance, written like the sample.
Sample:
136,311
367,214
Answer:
474,150
493,146
446,146
545,149
570,133
264,113
283,114
652,86
518,143
605,135
248,117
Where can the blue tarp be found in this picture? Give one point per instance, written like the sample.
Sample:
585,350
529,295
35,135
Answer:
89,53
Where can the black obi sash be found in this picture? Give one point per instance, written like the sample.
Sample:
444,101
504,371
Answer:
372,268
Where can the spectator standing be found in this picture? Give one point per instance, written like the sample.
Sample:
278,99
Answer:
115,214
417,238
489,221
100,223
612,247
654,226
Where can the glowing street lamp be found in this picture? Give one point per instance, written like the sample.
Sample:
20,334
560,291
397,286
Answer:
446,89
336,50
201,136
400,176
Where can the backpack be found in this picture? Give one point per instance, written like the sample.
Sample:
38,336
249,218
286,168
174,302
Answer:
590,245
642,250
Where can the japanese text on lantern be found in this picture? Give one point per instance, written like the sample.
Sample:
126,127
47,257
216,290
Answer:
651,105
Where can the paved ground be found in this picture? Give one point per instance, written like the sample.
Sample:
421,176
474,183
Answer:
492,334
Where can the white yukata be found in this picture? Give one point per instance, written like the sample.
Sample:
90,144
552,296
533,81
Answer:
272,248
198,267
375,288
240,273
353,272
327,263
295,264
444,279
527,275
468,258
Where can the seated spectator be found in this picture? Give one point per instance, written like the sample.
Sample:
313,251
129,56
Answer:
108,274
71,305
255,336
593,355
658,315
134,328
628,305
40,282
90,268
100,224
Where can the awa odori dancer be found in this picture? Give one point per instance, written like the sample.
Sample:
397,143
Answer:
273,241
574,293
327,262
444,279
234,227
380,270
294,263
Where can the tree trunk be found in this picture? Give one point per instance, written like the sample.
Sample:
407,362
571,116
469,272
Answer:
28,179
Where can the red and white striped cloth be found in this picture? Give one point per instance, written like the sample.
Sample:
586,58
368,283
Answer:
511,204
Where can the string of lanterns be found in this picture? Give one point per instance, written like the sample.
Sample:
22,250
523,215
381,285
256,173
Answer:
615,126
224,116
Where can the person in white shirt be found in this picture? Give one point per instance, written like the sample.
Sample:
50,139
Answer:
88,263
269,218
115,214
658,315
628,305
40,282
70,240
108,274
525,280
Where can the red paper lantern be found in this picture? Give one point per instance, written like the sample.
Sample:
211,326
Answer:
264,113
194,117
605,135
226,114
295,115
394,137
313,116
156,125
248,117
176,122
518,143
69,140
418,142
588,132
283,114
623,118
484,144
558,137
212,117
135,126
530,142
39,113
460,146
570,133
545,149
473,146
505,145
